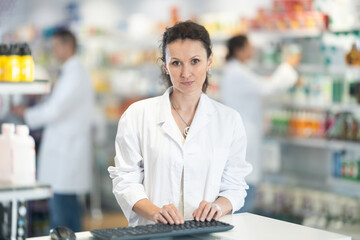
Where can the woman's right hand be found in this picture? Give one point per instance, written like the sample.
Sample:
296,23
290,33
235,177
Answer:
168,214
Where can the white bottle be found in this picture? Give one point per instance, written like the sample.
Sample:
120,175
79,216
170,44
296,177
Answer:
6,151
24,156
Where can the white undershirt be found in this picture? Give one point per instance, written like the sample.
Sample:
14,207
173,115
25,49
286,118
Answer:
180,207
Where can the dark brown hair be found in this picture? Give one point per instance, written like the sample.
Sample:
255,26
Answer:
185,30
66,37
234,43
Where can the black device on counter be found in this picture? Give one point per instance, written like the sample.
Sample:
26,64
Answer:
62,233
161,230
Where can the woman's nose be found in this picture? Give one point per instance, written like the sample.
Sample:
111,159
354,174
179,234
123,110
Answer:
185,71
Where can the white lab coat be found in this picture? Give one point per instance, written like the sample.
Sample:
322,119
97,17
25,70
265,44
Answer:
242,89
150,157
65,151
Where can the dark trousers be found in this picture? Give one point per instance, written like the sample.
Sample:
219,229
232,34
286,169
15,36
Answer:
65,210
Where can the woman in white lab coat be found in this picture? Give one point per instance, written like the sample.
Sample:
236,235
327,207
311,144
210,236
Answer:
180,155
242,89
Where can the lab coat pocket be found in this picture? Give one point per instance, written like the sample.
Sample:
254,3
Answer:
219,159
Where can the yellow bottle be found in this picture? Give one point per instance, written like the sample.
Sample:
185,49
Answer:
12,66
3,58
26,64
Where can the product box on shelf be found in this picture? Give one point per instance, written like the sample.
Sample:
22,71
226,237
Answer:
292,123
290,15
292,5
346,165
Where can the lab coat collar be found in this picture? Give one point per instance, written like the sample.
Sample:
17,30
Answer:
69,62
238,63
204,111
165,109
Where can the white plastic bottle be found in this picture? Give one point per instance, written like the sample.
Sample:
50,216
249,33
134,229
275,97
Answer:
6,151
24,156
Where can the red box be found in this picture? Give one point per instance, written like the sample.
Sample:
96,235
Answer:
283,6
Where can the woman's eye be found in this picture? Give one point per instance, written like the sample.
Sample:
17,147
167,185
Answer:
195,61
175,63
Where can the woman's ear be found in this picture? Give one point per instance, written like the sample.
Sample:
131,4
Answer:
210,60
165,69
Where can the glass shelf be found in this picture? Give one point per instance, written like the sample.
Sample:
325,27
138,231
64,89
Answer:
301,33
318,143
319,107
36,87
331,185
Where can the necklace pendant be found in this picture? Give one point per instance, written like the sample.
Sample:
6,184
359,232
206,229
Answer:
186,130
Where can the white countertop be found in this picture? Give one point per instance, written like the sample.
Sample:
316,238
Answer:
252,227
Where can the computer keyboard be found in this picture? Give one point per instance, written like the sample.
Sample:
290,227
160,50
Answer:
161,230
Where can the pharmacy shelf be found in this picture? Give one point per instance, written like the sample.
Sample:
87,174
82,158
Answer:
322,69
308,68
311,69
344,186
317,143
301,33
23,192
10,192
337,107
277,34
297,180
332,69
36,87
330,185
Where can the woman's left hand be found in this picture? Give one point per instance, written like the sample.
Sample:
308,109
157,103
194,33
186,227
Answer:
208,211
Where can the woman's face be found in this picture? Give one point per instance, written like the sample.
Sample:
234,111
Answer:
187,64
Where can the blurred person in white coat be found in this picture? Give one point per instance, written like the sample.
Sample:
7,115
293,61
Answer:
243,89
65,160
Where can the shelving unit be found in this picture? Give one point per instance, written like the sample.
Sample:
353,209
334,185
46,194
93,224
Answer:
36,87
14,193
318,143
37,191
318,69
302,33
343,187
318,107
291,180
307,162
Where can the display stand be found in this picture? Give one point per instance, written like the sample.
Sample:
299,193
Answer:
14,193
